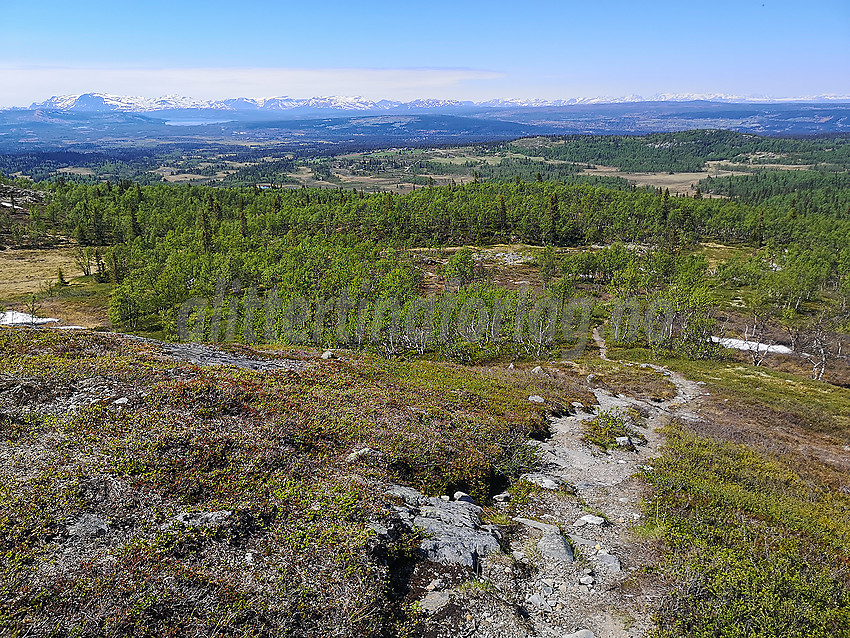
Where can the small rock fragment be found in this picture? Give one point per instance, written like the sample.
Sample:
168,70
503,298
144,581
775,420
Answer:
362,453
328,354
434,601
87,526
437,583
546,528
463,496
537,601
623,441
608,560
589,519
546,482
555,547
582,633
121,401
586,580
504,497
536,398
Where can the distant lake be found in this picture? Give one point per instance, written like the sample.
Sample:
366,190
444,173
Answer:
194,122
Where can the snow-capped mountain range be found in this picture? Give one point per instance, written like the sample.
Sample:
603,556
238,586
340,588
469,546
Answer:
133,104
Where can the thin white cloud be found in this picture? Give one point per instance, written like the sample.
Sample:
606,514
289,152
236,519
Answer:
24,85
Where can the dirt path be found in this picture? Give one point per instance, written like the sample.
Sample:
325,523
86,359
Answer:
600,343
599,592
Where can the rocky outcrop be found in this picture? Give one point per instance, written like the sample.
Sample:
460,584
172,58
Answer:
454,532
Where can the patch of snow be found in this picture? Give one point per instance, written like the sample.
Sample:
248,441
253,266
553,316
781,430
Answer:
14,318
740,344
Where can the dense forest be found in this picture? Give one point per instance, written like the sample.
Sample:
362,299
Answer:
162,245
687,151
805,192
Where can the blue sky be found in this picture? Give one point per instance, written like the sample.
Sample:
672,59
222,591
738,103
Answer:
401,50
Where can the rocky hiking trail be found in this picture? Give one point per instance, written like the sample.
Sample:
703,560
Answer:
570,564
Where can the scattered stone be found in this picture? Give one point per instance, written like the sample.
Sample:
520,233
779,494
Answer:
504,497
586,580
542,480
623,441
518,555
582,633
363,453
437,583
463,496
589,519
591,378
434,601
536,398
578,405
539,371
555,547
87,526
445,497
328,354
543,527
511,366
121,401
537,601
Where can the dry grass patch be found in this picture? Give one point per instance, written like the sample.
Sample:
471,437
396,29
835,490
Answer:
25,271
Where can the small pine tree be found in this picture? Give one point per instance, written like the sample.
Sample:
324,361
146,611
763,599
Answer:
60,278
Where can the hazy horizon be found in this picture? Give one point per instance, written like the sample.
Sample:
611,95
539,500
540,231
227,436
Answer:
459,51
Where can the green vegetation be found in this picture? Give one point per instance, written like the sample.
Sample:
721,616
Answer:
687,151
163,245
756,548
267,449
604,429
802,192
751,504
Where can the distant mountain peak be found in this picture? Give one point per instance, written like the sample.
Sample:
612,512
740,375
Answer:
100,102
